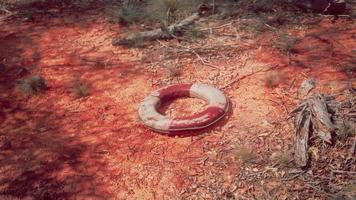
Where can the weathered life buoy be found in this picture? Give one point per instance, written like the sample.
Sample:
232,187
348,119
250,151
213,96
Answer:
217,107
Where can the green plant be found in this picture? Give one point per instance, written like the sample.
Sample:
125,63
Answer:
32,85
80,87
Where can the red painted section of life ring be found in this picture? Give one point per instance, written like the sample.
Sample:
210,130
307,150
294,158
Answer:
174,91
211,114
217,107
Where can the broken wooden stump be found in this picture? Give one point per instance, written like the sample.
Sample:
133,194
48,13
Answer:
161,33
321,116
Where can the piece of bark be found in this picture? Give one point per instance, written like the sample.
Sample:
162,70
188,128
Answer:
322,123
158,33
306,87
303,123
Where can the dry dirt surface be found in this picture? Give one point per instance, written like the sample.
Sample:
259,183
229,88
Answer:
95,147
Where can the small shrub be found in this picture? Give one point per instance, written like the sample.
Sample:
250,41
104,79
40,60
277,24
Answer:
32,85
129,12
276,19
282,159
285,43
245,154
80,87
348,69
192,33
170,11
174,70
254,29
345,130
272,79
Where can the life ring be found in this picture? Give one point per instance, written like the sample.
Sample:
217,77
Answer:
217,107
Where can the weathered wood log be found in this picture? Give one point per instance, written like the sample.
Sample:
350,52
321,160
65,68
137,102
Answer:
312,116
321,116
161,33
322,124
303,123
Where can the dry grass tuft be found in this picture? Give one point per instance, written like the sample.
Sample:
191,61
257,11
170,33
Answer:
273,79
282,159
32,85
345,130
245,154
81,88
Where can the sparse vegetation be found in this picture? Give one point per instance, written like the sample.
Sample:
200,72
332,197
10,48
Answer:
245,154
170,11
285,43
349,69
345,130
282,159
273,79
32,85
192,33
130,12
255,28
80,87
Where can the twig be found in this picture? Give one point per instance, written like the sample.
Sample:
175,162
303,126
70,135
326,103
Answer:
2,8
293,177
216,27
334,15
9,13
320,190
4,17
271,27
342,172
245,76
352,148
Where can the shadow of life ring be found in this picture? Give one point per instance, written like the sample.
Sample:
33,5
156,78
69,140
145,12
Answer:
217,107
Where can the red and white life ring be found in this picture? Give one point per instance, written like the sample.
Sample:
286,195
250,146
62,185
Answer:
217,107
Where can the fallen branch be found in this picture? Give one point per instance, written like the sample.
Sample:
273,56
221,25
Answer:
8,13
167,33
343,172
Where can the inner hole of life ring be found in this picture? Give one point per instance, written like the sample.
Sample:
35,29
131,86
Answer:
181,107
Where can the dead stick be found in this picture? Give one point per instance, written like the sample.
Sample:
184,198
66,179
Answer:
245,76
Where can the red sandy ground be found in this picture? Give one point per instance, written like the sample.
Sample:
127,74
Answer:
95,147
